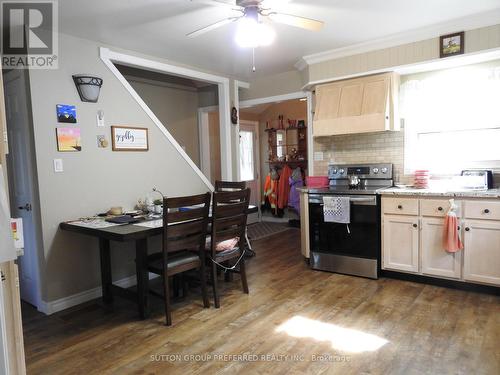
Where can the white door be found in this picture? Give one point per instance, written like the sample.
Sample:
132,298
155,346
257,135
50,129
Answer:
400,243
435,260
482,251
21,169
250,163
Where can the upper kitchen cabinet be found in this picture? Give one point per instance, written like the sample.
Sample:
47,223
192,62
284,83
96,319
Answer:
360,105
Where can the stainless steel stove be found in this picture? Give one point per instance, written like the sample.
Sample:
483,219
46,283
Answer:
352,249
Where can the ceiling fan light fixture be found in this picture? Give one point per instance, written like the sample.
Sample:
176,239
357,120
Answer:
252,34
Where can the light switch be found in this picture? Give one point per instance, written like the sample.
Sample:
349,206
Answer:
100,118
58,165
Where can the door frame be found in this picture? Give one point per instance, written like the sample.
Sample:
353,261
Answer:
204,139
35,200
256,161
294,95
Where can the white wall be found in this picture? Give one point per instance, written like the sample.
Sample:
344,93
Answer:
93,179
177,109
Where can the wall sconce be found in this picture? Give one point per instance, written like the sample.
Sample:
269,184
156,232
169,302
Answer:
88,87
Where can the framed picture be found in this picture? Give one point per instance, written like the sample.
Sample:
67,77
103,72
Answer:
66,113
126,138
451,44
68,139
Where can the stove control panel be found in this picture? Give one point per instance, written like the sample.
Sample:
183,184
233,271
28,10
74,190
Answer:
363,171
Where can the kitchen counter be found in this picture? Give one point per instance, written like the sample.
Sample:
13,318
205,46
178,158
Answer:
491,193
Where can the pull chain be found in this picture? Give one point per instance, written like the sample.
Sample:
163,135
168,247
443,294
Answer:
253,60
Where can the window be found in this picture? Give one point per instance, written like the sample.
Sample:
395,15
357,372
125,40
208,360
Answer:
247,165
452,119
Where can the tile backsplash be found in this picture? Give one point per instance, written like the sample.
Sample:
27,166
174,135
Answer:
383,147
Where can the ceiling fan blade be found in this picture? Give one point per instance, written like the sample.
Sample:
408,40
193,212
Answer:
226,4
211,27
297,21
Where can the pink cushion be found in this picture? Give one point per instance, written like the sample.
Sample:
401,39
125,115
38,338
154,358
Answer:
224,245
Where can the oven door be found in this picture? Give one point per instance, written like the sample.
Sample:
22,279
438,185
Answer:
357,243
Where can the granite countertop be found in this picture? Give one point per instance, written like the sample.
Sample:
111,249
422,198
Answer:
491,193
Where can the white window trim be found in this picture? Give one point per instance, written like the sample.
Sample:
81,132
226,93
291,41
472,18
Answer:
110,57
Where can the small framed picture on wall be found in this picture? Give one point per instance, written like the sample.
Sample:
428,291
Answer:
452,44
128,138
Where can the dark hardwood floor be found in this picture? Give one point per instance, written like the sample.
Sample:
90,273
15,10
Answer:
325,323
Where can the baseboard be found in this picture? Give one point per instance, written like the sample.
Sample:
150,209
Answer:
61,304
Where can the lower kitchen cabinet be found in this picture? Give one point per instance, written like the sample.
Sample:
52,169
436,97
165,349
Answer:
412,239
400,243
482,251
435,260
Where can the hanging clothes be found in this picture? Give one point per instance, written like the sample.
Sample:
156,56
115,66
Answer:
284,187
271,189
296,182
451,240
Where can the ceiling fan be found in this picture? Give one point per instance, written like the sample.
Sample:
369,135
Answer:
251,31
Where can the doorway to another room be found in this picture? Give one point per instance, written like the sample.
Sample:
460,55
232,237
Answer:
282,150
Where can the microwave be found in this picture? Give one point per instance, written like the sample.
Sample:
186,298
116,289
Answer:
478,179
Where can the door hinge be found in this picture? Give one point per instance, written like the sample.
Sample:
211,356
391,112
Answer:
2,276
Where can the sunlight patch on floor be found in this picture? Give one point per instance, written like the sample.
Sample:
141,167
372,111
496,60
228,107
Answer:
342,339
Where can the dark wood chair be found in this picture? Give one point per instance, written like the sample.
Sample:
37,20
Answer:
227,240
185,226
230,185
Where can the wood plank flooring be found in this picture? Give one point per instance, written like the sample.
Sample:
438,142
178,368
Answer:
426,329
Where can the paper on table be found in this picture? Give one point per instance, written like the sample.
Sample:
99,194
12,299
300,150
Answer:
7,248
97,223
151,223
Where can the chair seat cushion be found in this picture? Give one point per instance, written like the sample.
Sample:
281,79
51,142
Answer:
223,245
174,260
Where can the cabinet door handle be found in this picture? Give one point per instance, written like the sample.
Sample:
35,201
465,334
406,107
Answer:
486,211
458,228
440,208
415,225
400,207
467,229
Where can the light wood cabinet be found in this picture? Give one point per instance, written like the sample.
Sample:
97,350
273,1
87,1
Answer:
400,243
406,249
359,105
435,260
482,251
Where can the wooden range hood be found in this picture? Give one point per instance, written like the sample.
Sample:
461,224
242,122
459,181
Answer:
359,105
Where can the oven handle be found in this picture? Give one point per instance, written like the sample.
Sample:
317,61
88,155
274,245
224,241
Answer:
318,199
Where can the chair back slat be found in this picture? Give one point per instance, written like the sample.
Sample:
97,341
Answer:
227,210
185,229
229,215
185,215
229,185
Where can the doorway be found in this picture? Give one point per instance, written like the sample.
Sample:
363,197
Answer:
250,163
284,151
23,190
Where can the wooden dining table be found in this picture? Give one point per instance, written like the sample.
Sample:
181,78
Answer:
124,233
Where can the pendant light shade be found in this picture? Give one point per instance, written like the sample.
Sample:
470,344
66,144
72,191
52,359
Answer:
88,87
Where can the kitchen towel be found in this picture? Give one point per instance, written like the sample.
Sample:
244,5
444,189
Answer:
336,209
451,240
